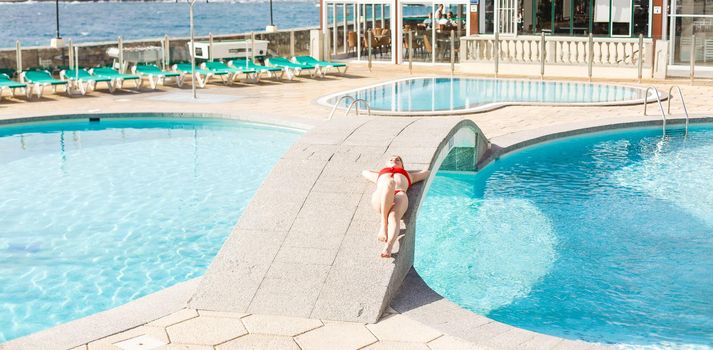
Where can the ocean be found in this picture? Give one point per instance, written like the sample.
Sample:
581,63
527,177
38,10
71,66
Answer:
34,23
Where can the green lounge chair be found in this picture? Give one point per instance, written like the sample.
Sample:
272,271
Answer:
233,72
83,81
291,69
324,66
249,64
155,75
7,71
117,78
37,80
202,75
9,84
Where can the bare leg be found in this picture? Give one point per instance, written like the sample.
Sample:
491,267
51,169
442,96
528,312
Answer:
382,201
394,222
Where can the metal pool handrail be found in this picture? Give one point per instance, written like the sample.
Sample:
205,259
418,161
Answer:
356,102
646,102
334,109
683,102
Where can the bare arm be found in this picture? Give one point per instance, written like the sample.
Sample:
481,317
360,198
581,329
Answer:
370,175
420,175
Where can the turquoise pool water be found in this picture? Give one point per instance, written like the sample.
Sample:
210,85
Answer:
94,215
457,94
606,238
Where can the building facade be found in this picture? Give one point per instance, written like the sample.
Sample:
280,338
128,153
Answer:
388,27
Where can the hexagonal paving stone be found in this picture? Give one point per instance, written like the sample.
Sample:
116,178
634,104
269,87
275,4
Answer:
400,328
176,317
279,325
185,347
142,342
343,336
396,345
206,330
260,342
108,342
448,342
222,314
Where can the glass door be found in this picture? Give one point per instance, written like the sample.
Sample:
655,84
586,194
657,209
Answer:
621,17
418,19
581,17
377,24
507,17
450,28
692,33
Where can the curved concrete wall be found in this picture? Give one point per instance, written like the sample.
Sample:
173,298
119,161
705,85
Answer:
306,245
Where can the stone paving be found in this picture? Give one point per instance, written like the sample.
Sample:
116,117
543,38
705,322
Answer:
292,103
191,329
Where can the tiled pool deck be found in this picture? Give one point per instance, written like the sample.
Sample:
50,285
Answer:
309,275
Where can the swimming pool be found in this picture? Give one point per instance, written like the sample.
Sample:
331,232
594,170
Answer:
447,95
605,237
95,214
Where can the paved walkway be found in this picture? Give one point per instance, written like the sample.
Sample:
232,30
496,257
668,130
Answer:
191,329
306,244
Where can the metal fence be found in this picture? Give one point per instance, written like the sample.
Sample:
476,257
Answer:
282,43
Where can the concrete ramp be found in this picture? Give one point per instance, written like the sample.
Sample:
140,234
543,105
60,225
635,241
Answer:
306,244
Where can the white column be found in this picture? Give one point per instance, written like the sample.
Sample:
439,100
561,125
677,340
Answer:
334,28
357,28
664,28
467,18
397,33
373,15
325,18
382,16
651,17
346,26
434,25
496,16
672,25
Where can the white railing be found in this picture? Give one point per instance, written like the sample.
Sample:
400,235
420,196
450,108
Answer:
529,49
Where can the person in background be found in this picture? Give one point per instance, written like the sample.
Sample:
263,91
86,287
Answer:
450,20
428,21
439,13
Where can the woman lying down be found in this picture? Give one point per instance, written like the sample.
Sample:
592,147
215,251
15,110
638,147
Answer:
390,199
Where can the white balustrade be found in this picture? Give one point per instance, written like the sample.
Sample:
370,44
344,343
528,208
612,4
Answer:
620,52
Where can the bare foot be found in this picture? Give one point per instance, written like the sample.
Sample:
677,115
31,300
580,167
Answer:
382,233
386,253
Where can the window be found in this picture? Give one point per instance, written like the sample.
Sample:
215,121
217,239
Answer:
581,17
641,17
600,24
620,17
571,17
543,16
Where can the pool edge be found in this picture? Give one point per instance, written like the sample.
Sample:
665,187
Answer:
418,301
139,311
176,115
115,320
322,101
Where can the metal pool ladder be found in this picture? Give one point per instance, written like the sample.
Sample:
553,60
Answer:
683,102
658,99
355,101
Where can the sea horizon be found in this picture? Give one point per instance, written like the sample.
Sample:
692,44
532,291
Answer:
139,1
84,22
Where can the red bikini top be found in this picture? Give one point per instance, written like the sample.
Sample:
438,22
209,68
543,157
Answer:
395,170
